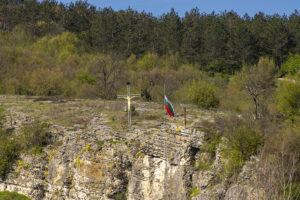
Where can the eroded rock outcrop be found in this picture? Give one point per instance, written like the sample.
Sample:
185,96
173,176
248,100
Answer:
96,162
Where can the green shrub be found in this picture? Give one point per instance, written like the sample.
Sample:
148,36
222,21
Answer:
292,65
47,82
2,117
240,145
234,97
202,165
245,141
133,110
212,139
59,46
1,89
85,77
207,152
33,138
203,95
15,85
6,195
233,163
292,191
148,62
35,135
82,90
288,99
120,196
9,151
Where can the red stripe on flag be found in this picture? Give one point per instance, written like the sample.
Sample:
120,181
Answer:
169,111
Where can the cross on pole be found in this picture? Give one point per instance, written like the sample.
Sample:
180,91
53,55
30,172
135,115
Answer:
128,97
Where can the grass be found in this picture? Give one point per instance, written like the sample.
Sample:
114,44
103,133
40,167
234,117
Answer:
152,117
148,133
112,141
117,122
100,143
66,114
79,112
6,195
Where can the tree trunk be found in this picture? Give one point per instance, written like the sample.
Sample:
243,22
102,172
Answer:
256,107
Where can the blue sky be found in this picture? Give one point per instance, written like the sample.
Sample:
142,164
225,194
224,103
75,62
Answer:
158,7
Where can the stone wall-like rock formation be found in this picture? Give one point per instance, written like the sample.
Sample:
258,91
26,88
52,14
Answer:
98,163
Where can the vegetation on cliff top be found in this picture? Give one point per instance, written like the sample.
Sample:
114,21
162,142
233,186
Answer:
33,137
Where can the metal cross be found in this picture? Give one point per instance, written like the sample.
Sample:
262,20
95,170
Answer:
128,97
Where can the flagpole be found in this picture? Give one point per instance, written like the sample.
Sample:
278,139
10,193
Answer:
164,104
165,156
128,105
184,112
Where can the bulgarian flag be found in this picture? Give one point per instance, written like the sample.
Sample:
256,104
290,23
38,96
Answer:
169,107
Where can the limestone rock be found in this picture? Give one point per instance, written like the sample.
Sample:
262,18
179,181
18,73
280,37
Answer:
97,162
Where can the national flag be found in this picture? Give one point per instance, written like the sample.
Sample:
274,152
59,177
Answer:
169,107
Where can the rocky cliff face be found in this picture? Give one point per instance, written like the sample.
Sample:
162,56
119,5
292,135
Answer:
97,162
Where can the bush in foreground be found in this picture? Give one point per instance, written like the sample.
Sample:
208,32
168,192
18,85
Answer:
33,138
6,195
241,144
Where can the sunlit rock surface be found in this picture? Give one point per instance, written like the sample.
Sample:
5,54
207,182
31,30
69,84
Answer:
98,161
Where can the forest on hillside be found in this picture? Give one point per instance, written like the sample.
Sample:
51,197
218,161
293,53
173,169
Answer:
48,48
211,60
